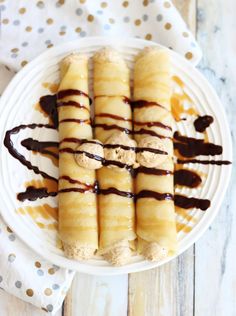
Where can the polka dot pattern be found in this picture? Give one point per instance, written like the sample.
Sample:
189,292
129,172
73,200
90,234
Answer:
29,292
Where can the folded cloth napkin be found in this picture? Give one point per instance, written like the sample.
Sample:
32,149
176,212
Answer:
28,28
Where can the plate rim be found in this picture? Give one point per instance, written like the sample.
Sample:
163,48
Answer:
208,218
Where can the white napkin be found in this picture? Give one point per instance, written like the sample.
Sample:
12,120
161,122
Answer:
30,27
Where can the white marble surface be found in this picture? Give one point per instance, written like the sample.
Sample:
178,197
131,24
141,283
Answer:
202,281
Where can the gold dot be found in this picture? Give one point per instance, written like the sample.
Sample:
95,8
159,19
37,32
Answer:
48,292
62,33
90,18
50,45
61,1
185,34
167,4
28,28
145,2
51,271
49,21
82,1
148,37
30,292
125,4
189,55
9,229
168,26
23,63
22,10
112,21
37,264
15,50
103,4
78,30
137,22
5,21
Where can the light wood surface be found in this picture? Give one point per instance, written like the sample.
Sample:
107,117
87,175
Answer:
202,281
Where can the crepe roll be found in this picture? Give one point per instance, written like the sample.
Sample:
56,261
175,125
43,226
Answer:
153,129
113,126
78,228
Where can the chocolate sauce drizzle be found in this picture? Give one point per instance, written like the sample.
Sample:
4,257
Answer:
202,122
204,162
72,103
187,178
72,120
188,147
190,202
150,124
48,104
155,195
32,194
191,147
115,191
40,146
107,127
10,147
71,92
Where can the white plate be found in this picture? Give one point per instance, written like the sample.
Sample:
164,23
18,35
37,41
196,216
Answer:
17,107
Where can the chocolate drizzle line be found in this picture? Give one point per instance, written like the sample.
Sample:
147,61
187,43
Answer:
73,181
191,147
32,194
78,190
70,92
10,147
72,151
155,195
48,104
186,202
72,103
202,122
204,162
107,127
187,178
152,171
71,120
150,124
117,192
40,146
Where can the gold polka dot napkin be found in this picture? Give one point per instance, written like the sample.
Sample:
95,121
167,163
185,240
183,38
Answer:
30,27
29,277
27,28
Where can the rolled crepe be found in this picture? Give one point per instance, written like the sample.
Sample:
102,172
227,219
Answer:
156,227
78,227
113,115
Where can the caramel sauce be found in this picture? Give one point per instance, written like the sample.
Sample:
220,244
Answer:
184,213
52,87
44,211
179,82
177,106
183,227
